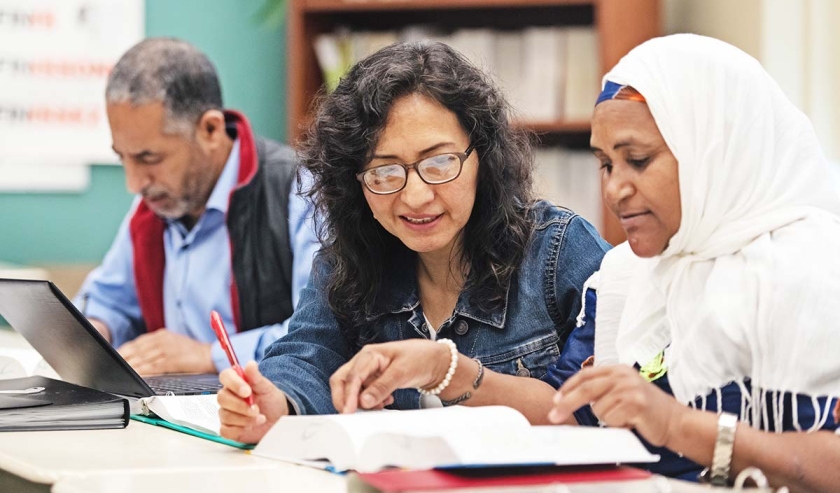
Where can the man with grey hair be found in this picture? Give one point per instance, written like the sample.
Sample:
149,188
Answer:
216,224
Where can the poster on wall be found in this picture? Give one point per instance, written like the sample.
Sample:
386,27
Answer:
55,56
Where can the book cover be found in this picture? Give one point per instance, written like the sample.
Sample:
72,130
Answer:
153,420
443,480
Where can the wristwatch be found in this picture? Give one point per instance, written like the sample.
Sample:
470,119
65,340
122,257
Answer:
722,456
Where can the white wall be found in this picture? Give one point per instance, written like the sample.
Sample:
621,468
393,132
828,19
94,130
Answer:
733,21
797,41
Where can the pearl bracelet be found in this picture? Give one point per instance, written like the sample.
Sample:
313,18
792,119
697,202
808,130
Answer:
453,363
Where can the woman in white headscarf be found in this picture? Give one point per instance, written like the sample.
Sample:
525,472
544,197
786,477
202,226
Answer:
734,276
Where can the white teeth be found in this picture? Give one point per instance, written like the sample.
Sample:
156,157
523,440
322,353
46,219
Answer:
420,221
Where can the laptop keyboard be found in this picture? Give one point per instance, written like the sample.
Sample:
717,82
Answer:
187,385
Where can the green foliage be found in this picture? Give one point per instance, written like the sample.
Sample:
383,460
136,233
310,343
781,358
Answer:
272,13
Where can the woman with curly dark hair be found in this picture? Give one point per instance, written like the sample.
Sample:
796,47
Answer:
441,279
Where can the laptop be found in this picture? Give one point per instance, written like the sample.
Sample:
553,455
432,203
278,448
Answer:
66,340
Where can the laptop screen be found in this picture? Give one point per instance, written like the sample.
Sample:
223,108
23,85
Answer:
66,340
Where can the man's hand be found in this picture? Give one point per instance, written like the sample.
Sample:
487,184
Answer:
163,351
101,327
241,422
368,380
620,397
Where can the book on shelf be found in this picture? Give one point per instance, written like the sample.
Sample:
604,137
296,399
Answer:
331,59
196,415
510,70
455,436
544,70
583,84
363,44
546,73
478,45
570,178
40,403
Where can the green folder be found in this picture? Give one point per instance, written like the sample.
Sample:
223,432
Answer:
189,431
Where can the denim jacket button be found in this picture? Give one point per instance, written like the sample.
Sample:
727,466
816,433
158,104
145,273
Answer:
462,327
521,371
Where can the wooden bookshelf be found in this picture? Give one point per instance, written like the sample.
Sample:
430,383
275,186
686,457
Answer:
556,127
620,25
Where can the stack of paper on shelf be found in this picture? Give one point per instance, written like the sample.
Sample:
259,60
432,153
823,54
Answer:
547,73
570,178
583,80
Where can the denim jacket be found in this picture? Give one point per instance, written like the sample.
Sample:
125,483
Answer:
521,337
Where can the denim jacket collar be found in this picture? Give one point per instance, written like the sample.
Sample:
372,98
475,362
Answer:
399,295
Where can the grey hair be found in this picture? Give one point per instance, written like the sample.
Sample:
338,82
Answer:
170,71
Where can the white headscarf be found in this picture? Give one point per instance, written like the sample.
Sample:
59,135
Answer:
749,286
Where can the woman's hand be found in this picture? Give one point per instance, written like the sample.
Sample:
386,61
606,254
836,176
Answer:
368,380
241,422
620,397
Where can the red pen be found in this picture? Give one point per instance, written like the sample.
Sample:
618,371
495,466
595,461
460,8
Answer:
222,335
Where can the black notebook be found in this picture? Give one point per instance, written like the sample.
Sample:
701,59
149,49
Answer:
40,403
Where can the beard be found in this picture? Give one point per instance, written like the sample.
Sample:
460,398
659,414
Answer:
190,198
165,205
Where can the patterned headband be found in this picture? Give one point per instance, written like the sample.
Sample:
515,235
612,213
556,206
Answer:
618,91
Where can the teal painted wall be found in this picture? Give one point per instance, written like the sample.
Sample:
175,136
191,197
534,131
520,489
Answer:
67,228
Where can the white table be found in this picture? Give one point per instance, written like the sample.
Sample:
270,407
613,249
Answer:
138,453
144,458
293,480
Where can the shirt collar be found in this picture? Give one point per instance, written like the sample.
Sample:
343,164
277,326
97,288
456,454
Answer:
220,195
398,294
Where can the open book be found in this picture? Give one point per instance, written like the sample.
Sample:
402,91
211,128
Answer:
197,412
196,415
444,437
23,362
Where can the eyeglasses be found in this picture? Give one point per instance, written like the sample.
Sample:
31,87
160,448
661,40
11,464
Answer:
434,170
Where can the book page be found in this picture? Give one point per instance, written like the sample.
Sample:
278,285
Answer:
342,438
21,362
199,412
427,422
560,445
500,445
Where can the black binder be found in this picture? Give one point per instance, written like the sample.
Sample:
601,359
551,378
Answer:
59,406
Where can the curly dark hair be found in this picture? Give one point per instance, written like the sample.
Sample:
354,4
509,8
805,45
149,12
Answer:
342,139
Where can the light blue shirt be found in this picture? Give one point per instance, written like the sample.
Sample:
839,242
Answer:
197,276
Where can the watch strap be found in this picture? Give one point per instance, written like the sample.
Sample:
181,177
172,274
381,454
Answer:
724,443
